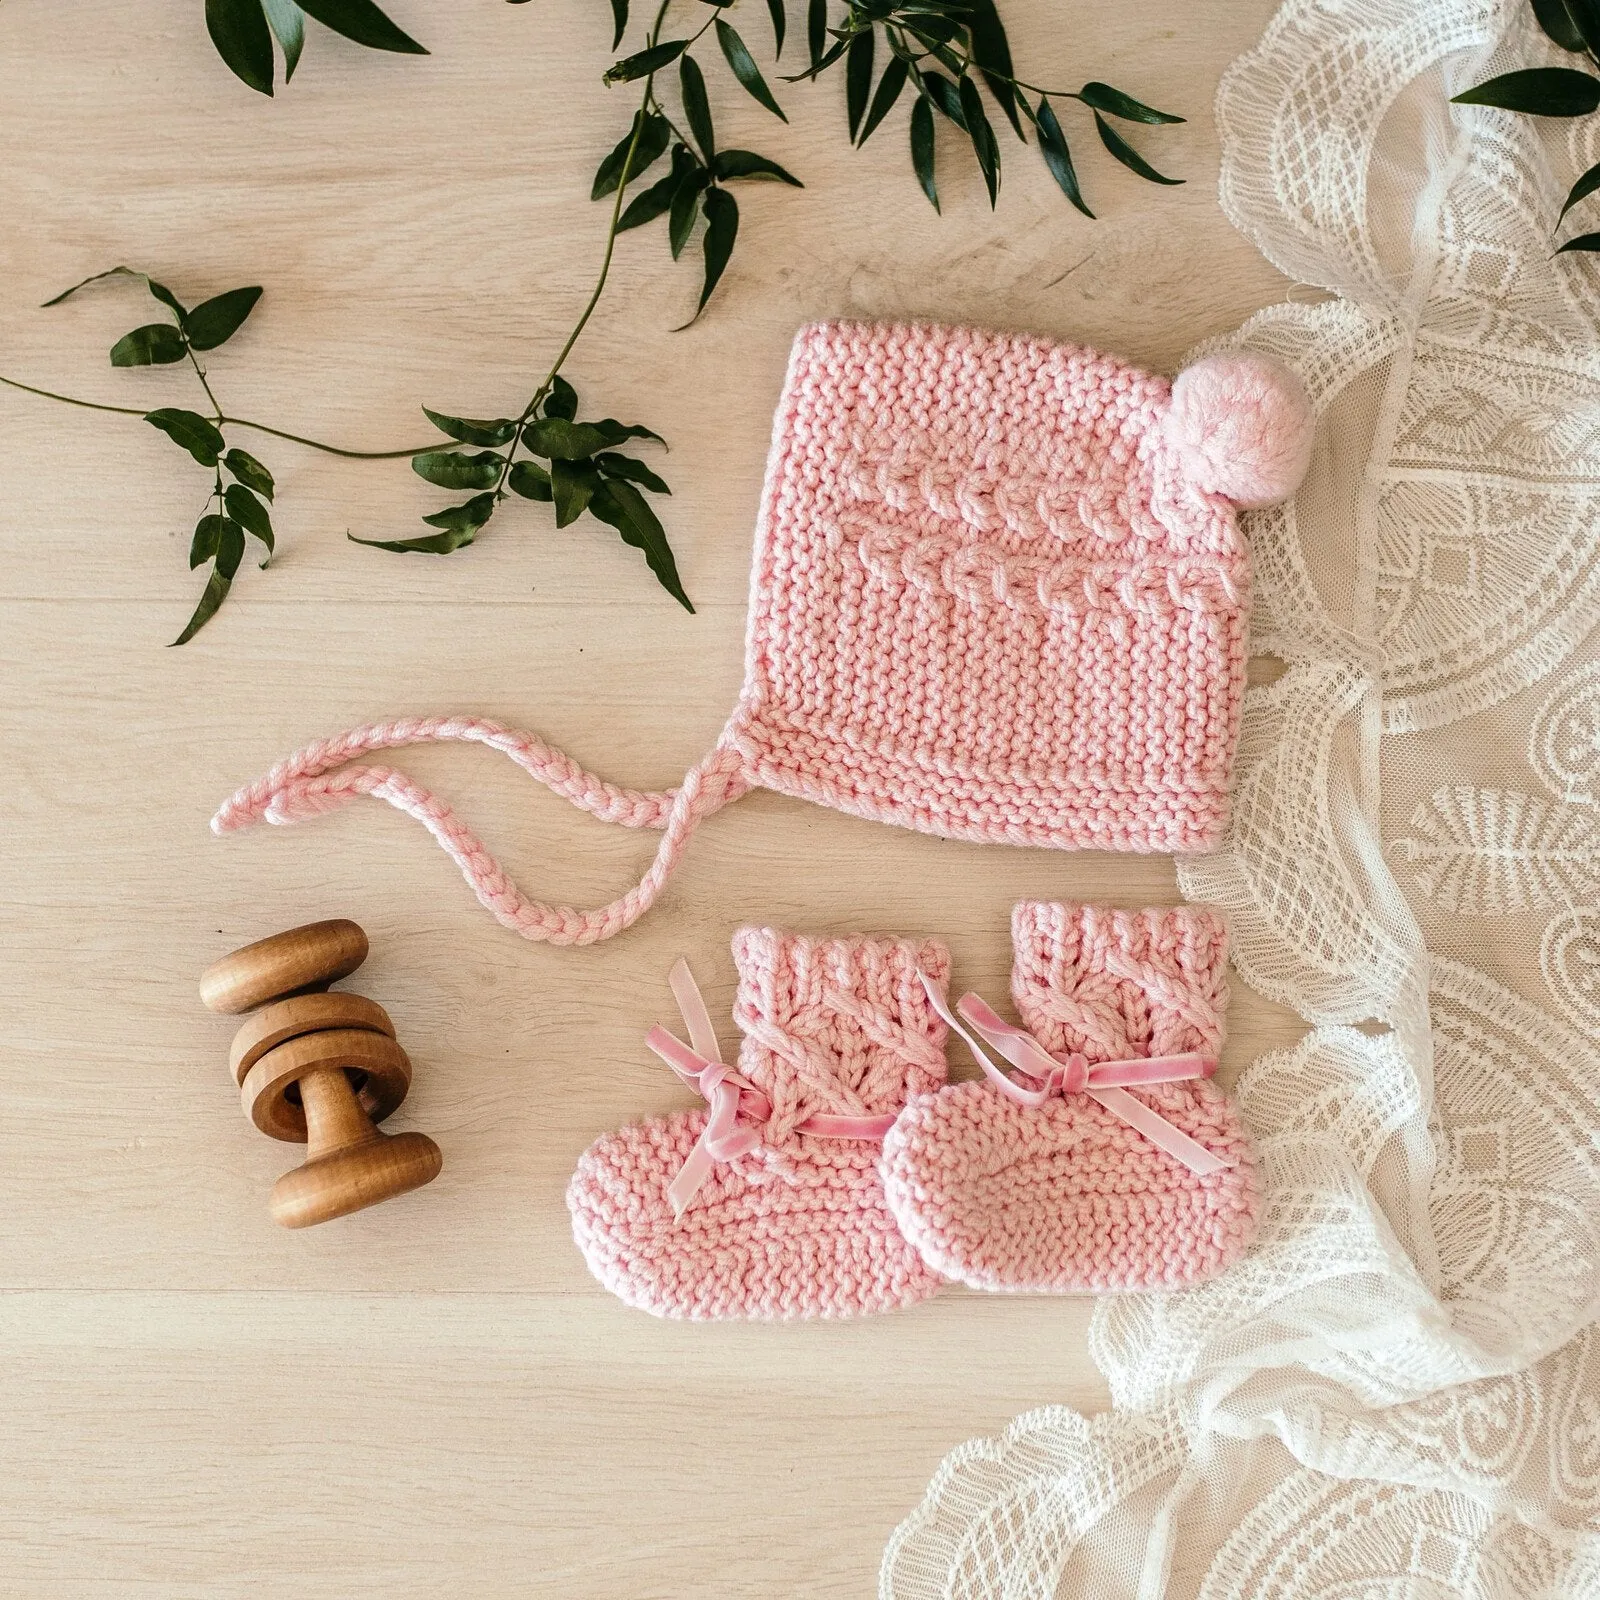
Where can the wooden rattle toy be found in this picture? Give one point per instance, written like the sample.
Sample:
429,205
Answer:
319,1068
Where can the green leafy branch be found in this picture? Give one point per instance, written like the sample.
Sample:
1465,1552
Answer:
1555,91
965,38
243,31
234,510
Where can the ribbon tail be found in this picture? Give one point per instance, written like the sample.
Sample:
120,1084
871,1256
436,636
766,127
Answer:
1159,1131
1007,1085
692,1006
694,1172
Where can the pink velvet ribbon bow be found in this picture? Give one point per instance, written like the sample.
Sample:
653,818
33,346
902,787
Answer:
739,1110
1102,1081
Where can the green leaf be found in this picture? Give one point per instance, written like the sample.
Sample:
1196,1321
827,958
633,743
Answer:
858,77
460,525
363,22
655,135
230,547
816,30
159,290
1102,97
156,344
532,482
216,591
745,69
922,149
559,439
1584,241
692,83
562,400
626,510
824,61
238,29
473,514
889,87
984,144
249,471
1558,24
428,544
946,97
780,26
722,228
214,322
1581,190
731,164
1538,91
249,513
288,22
681,223
651,203
1057,157
1584,15
614,466
619,21
572,486
991,51
469,431
207,532
188,428
645,62
166,297
450,469
1127,155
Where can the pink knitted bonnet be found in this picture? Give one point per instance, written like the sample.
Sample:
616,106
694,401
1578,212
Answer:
999,593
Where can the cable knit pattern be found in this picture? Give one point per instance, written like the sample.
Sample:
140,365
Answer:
1066,1197
995,596
987,601
798,1227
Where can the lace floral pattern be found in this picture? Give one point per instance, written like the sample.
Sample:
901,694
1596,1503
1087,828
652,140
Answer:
1398,1392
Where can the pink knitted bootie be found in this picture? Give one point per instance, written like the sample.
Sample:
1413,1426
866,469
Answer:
1108,1161
770,1205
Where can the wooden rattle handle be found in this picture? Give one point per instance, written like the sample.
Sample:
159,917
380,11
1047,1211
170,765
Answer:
349,1163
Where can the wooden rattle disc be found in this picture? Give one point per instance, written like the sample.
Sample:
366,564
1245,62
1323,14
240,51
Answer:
320,1068
300,1014
377,1070
311,957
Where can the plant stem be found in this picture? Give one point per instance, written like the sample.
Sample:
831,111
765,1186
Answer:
67,399
200,373
605,262
223,421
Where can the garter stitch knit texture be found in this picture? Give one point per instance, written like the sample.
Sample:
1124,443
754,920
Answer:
996,595
799,1226
1065,1196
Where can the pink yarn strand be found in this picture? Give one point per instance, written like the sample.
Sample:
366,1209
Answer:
306,785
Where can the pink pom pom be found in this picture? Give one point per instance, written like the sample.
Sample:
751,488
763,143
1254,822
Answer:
1241,425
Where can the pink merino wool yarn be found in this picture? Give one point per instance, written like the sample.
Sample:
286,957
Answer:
1066,1197
799,1227
998,593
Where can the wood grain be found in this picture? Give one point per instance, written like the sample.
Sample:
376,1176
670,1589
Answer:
433,1398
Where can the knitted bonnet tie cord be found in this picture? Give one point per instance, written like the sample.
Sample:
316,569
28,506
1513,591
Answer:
317,779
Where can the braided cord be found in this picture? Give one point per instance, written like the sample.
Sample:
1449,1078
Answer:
306,784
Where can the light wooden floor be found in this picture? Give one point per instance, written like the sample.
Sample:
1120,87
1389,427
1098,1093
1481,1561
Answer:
434,1399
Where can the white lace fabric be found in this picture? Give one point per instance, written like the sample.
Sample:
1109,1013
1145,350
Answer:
1398,1392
